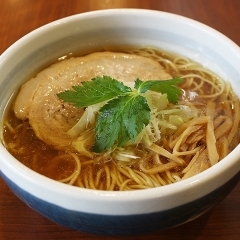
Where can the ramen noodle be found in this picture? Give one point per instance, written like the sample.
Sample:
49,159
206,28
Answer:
180,141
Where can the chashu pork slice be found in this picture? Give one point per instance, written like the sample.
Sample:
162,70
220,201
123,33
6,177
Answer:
50,117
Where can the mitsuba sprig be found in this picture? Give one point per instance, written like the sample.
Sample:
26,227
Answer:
126,111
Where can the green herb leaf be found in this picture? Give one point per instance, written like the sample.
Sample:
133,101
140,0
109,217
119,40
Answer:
162,86
126,113
98,90
121,120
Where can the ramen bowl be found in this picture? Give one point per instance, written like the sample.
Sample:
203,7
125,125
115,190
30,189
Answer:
119,212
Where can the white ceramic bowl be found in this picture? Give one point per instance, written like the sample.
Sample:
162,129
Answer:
131,212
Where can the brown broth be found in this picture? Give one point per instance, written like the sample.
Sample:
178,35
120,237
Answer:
38,156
